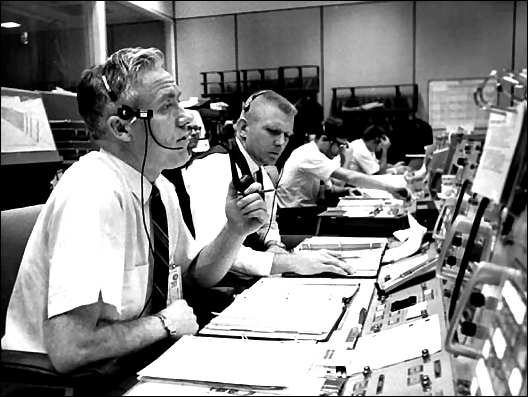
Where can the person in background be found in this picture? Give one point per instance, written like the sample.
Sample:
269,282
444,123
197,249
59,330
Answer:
309,168
87,288
261,133
361,154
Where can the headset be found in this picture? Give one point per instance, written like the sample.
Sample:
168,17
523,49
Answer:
126,113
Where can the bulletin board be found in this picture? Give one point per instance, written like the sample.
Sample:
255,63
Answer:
451,103
26,132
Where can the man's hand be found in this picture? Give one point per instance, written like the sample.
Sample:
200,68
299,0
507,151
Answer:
314,262
402,193
246,212
385,142
183,317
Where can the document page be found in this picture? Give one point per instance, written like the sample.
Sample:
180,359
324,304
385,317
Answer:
280,309
499,148
255,363
396,345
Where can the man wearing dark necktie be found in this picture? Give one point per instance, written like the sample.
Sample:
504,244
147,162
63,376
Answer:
261,133
85,289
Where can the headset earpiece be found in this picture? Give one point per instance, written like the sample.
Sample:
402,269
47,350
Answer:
125,112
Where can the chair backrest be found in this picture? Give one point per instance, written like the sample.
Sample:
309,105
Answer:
17,225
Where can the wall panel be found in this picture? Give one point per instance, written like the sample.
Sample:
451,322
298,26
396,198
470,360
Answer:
193,9
203,45
521,34
280,38
457,39
367,44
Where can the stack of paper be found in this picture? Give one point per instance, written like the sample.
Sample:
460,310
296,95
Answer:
283,309
227,361
362,253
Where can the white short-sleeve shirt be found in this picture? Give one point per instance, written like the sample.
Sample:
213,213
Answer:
305,173
207,181
88,240
362,159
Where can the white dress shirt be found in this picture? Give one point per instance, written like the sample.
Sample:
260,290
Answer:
88,240
362,159
306,174
207,181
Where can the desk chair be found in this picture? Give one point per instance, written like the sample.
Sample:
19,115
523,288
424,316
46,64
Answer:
25,373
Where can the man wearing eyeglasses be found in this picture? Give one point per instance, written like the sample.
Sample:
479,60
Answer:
308,170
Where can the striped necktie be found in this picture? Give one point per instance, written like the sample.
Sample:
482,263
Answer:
161,251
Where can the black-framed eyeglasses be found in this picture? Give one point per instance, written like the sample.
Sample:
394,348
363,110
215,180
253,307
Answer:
194,128
343,145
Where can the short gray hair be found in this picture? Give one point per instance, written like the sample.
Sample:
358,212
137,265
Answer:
122,71
271,97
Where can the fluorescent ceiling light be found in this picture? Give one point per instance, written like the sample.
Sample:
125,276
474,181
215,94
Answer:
9,25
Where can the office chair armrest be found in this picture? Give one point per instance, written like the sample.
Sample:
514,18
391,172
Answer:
36,368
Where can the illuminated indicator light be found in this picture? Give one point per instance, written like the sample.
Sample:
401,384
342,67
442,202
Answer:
484,381
515,382
474,387
499,343
10,25
514,301
486,349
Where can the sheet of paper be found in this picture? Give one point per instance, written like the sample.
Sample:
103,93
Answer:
255,363
283,310
342,243
410,246
307,386
396,345
499,148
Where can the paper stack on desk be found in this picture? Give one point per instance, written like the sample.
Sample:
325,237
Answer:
226,361
283,309
362,253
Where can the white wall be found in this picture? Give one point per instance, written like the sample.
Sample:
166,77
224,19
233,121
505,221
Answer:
362,43
160,8
203,45
193,9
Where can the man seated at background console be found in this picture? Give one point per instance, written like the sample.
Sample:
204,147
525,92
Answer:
87,288
361,154
308,170
261,133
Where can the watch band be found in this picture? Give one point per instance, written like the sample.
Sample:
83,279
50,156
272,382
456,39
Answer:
167,324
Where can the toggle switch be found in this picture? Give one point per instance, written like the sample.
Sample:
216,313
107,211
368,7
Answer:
451,261
426,382
425,355
473,330
367,371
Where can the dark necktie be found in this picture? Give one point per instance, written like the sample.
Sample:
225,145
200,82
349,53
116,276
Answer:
176,177
161,251
259,179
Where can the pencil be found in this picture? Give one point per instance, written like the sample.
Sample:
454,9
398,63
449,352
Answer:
260,191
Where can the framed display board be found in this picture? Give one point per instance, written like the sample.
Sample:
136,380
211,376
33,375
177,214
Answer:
26,132
451,104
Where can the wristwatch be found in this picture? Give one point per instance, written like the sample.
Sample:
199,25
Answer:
167,323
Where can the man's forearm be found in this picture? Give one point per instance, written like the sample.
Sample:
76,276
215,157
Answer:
215,259
383,162
70,346
366,181
283,263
